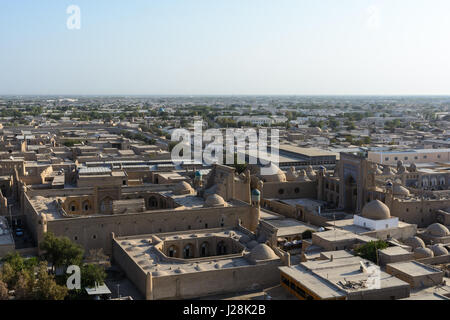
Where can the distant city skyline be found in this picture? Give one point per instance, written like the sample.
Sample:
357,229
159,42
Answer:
225,48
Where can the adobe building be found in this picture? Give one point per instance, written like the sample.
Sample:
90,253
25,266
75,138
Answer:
192,264
89,215
342,277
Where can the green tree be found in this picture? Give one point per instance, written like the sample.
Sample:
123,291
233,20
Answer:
92,274
46,287
4,292
14,265
369,250
61,252
25,285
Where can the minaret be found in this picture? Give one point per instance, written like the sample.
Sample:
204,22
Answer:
198,180
255,209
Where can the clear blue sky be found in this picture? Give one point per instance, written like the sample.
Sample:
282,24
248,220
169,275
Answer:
226,47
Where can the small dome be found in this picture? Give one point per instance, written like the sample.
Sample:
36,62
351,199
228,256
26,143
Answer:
439,250
311,173
420,253
412,167
214,200
183,188
415,242
291,174
400,190
437,230
376,210
302,176
199,268
401,169
262,252
388,171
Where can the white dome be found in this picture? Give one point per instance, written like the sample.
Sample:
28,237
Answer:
376,210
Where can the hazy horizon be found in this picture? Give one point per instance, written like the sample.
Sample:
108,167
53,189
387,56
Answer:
226,48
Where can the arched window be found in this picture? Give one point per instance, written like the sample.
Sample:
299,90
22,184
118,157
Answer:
188,251
433,181
221,248
204,249
86,205
73,206
172,251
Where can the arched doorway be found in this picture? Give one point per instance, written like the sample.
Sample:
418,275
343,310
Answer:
106,205
152,202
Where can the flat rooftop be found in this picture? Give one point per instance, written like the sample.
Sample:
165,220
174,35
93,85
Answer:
320,287
305,202
142,251
414,268
339,272
309,152
287,227
395,251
